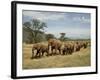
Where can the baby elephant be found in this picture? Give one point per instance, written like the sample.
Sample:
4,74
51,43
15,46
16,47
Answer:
43,49
38,50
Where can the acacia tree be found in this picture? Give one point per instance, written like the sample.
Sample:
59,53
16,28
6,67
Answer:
62,37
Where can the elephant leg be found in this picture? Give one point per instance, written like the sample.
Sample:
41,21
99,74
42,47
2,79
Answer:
64,52
37,54
52,53
60,51
67,51
47,51
43,53
70,51
32,54
55,51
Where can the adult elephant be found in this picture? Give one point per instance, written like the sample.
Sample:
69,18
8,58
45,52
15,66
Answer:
68,48
85,44
54,44
77,46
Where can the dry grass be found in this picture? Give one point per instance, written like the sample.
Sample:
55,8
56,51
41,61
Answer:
81,58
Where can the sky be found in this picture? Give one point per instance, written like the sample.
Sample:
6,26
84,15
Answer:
74,24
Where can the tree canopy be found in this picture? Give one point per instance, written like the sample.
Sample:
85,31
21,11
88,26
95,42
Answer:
33,29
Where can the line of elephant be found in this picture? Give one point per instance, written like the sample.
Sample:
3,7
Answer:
64,48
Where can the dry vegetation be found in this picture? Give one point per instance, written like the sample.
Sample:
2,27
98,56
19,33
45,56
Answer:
80,58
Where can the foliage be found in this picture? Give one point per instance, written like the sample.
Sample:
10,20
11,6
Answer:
27,24
62,37
49,36
37,25
33,31
27,33
39,37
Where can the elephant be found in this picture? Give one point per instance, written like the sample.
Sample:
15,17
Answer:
77,46
85,44
68,48
40,50
54,44
43,49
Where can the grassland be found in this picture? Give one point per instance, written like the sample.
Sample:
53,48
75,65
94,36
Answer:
77,59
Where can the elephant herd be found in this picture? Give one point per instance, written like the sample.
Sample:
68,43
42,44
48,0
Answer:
55,47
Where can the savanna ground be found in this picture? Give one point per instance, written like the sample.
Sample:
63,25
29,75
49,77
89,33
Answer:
77,59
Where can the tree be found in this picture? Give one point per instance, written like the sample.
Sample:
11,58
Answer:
62,37
37,25
27,33
40,37
27,24
49,36
33,31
